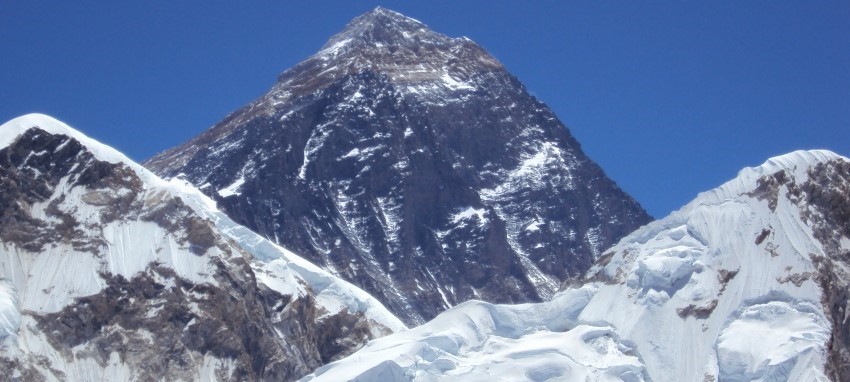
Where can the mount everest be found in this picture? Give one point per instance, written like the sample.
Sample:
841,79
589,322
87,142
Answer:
414,166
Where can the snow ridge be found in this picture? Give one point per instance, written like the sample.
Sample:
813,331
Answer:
795,163
477,341
13,129
131,229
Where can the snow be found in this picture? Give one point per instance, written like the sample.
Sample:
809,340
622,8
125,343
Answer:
12,129
48,281
81,366
535,164
63,273
362,153
454,84
477,341
355,152
446,302
534,226
335,48
10,316
469,213
662,270
233,188
133,247
691,297
317,140
286,272
763,344
390,211
376,44
594,238
539,166
680,261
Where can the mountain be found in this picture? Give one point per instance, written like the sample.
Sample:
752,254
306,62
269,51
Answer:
748,282
414,166
108,272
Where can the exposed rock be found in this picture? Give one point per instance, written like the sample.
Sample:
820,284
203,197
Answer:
415,166
824,201
768,188
827,193
73,229
724,276
763,235
698,312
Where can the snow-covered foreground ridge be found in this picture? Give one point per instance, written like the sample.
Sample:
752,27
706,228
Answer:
108,272
748,282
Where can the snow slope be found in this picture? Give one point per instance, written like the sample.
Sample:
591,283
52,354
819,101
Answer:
285,271
477,341
731,265
728,288
104,225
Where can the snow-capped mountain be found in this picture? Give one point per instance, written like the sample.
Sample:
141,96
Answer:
108,272
748,282
415,166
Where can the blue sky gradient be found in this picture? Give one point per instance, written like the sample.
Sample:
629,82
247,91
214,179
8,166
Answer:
671,98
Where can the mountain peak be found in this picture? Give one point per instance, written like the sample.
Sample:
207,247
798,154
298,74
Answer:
414,164
404,50
382,27
11,130
387,14
797,159
795,164
382,23
74,221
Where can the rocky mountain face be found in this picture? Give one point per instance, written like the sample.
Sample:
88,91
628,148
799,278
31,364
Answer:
415,166
748,282
110,273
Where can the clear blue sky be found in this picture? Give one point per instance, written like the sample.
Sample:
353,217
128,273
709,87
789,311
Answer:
670,97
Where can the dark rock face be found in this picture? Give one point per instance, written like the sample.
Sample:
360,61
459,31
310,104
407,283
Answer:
151,327
160,325
29,173
827,193
824,202
415,166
